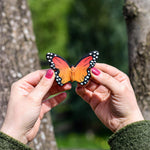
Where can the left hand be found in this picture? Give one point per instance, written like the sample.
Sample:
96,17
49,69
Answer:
29,102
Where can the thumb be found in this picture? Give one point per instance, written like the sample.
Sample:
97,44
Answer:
43,86
106,80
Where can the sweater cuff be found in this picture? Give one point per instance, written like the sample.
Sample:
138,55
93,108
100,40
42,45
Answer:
134,136
7,142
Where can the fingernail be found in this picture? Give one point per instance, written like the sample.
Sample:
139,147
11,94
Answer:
95,71
49,74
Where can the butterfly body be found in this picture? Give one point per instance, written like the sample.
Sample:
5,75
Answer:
79,73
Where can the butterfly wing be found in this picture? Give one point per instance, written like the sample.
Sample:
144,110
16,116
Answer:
82,68
61,68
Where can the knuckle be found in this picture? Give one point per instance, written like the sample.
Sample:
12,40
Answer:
14,85
125,76
31,97
38,72
123,89
107,77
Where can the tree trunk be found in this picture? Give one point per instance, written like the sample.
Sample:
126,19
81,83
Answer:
18,57
137,15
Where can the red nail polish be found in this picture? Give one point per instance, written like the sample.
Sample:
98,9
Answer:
95,71
49,74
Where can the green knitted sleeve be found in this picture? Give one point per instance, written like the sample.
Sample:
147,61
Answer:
8,143
135,136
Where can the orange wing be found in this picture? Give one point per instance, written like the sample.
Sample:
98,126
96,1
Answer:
81,72
61,68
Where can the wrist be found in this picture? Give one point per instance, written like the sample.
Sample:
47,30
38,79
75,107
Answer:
130,119
14,134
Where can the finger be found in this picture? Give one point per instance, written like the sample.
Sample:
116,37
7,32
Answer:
52,102
112,71
106,80
33,78
84,93
57,88
43,86
102,92
95,101
92,86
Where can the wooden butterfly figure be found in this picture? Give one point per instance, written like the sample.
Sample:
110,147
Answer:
80,72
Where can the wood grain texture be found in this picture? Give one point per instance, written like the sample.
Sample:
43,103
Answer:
137,15
18,57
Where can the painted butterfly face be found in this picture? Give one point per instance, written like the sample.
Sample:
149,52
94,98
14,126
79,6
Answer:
79,73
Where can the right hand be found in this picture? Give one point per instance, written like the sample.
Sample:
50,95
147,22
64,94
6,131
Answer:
29,101
111,96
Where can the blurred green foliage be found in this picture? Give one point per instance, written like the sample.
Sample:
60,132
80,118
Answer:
71,29
85,141
50,25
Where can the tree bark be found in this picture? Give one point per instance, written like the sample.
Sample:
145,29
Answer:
18,57
137,15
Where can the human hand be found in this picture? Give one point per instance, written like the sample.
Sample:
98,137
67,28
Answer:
111,97
29,102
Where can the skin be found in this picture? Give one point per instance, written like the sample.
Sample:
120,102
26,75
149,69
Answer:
29,102
111,97
109,93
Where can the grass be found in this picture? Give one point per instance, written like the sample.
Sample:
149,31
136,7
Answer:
85,141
